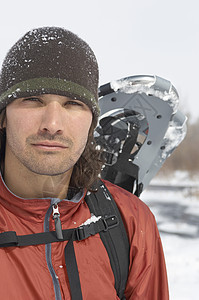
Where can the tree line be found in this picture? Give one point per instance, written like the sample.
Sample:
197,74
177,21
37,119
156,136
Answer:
186,156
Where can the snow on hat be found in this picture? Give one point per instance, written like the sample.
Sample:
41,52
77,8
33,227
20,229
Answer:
50,60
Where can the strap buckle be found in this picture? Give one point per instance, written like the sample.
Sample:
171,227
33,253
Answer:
85,231
110,158
110,222
103,224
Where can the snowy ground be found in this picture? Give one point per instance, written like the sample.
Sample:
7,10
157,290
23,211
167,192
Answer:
177,215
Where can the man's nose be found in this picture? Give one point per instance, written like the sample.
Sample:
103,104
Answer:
52,118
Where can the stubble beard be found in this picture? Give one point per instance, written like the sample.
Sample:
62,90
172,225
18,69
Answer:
50,163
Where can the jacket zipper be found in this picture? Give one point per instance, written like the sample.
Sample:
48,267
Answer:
55,280
56,218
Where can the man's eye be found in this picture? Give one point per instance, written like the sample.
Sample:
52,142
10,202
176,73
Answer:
34,99
73,102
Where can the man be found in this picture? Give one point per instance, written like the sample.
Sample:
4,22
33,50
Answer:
49,109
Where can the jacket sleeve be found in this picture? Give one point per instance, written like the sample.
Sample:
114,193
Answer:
147,271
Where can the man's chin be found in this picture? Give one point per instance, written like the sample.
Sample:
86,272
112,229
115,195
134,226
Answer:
50,172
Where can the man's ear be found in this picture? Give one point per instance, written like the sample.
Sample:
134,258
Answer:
3,119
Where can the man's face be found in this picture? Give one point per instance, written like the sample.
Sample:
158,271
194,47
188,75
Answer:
46,134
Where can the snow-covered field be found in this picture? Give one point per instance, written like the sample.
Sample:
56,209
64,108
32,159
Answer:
177,216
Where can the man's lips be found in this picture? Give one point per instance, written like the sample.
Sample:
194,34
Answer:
49,145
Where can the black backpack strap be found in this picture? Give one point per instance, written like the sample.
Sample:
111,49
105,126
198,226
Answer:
115,240
11,239
72,271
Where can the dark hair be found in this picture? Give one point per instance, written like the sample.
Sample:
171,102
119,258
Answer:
87,169
2,139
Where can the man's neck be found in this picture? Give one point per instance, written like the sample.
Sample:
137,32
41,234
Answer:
31,185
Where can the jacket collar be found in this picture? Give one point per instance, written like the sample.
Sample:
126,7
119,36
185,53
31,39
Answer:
24,207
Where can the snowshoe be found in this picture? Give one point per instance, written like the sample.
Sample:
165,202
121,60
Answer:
139,127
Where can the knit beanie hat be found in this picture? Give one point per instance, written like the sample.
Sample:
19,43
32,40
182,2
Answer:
50,60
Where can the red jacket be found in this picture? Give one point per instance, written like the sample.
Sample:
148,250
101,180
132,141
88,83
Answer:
39,272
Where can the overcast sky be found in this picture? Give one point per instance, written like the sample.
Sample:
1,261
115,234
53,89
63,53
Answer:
128,37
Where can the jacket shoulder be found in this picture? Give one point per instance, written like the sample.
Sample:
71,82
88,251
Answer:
135,213
125,199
